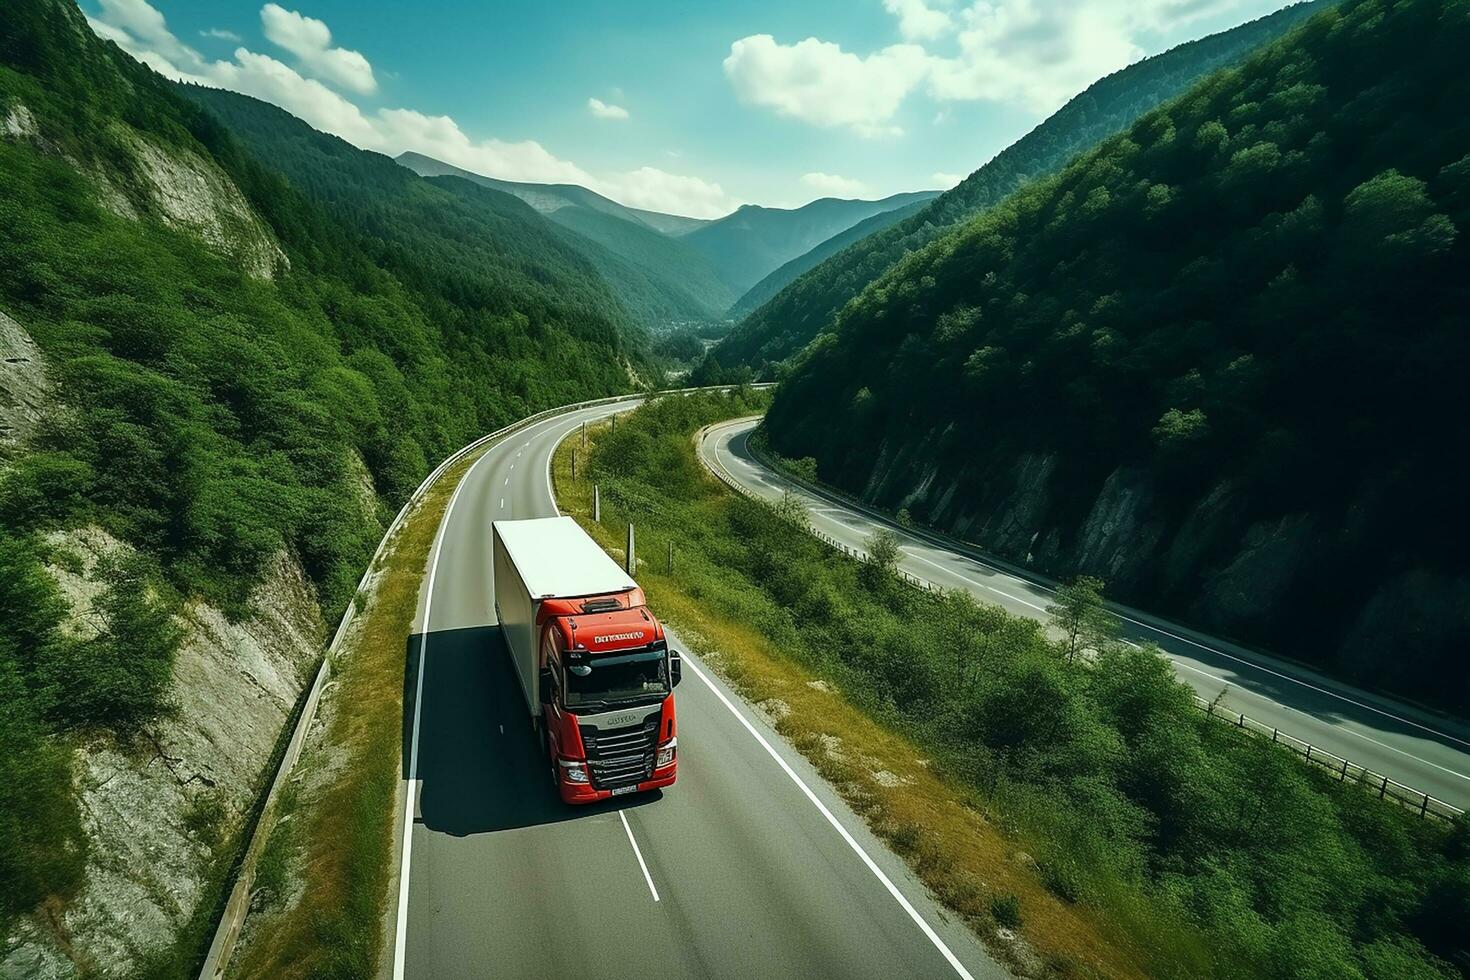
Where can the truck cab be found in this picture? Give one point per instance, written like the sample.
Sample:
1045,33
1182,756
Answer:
607,683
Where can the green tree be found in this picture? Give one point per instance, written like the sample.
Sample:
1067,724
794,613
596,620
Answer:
1079,611
880,568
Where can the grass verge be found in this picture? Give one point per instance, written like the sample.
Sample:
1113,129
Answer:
1077,810
324,874
945,833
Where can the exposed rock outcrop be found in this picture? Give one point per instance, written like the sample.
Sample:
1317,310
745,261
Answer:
25,389
192,193
157,809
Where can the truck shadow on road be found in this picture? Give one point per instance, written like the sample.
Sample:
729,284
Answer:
481,765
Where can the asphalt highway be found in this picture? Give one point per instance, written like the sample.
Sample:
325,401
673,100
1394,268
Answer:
1414,747
749,866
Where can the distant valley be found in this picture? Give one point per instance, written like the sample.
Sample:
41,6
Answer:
670,268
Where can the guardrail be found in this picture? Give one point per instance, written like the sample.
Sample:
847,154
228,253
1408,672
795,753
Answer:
238,903
1386,788
1344,770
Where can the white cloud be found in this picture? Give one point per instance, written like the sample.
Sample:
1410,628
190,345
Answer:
602,110
817,82
440,137
141,31
657,190
944,181
311,42
1034,54
917,21
135,19
220,34
832,185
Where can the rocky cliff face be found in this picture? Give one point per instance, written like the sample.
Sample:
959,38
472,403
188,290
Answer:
1207,563
181,188
160,810
25,389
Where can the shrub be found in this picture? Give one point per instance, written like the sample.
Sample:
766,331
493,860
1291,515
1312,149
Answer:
1006,910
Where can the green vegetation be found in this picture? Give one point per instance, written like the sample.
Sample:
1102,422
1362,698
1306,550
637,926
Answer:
658,277
1237,328
215,415
753,241
680,283
802,310
757,295
1155,838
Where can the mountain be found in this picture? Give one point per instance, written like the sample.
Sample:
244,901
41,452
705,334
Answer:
754,241
790,319
1216,361
757,295
669,224
220,380
658,276
549,198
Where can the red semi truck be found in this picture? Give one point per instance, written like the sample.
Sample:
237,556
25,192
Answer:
593,663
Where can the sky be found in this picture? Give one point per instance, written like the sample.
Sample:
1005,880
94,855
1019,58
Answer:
687,107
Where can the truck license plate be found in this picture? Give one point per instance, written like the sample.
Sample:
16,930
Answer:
623,790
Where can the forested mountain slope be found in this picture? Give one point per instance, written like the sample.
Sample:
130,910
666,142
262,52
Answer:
451,236
1217,361
757,295
216,389
748,245
790,320
658,276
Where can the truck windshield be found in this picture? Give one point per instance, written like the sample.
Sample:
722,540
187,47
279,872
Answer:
640,676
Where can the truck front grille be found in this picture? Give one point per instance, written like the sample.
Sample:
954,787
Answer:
621,756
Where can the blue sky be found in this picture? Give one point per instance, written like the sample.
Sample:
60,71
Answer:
688,107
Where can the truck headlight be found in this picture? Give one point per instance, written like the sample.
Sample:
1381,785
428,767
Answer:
665,755
575,772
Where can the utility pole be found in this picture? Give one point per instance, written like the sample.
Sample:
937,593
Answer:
632,561
596,504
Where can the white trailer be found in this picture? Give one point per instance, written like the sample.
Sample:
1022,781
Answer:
540,559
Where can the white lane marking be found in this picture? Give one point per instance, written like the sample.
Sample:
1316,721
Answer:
1203,646
898,896
639,855
502,503
507,482
1339,729
400,939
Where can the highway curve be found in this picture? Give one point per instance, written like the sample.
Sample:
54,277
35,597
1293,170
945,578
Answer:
749,866
1414,747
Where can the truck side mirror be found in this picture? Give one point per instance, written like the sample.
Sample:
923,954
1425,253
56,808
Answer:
676,668
548,689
